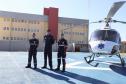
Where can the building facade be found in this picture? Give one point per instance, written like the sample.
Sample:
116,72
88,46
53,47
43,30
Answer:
17,28
123,47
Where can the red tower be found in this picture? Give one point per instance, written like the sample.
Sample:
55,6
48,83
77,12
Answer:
52,20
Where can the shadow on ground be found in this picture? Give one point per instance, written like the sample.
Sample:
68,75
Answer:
66,75
81,77
118,69
56,76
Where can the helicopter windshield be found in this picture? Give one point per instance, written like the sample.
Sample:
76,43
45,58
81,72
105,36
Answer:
106,35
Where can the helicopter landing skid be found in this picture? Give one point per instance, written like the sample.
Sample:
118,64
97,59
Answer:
121,59
90,59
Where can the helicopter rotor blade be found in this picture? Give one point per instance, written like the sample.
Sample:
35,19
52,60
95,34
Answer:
100,21
119,21
115,7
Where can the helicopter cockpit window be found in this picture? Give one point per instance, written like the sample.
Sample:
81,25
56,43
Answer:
106,35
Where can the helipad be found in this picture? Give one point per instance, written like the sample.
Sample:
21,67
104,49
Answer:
13,71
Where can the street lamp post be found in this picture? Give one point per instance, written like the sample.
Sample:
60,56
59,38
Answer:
73,44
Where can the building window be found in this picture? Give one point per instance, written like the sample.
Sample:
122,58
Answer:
25,21
22,21
83,33
25,39
7,28
38,30
14,38
31,22
4,28
19,21
34,30
11,38
15,20
8,19
18,29
7,38
18,38
24,29
4,19
28,30
21,38
12,29
34,22
21,29
15,29
12,19
4,38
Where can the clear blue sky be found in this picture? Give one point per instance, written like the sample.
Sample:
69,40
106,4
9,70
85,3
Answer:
83,9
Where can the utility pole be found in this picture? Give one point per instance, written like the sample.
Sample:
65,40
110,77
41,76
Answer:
62,33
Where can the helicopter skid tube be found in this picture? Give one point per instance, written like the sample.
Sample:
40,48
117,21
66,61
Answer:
121,59
89,59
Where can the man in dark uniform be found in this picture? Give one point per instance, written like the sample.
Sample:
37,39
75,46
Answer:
49,41
33,51
62,47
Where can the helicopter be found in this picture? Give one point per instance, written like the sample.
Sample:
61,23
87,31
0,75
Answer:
106,41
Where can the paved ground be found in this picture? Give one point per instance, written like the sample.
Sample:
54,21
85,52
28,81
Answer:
12,70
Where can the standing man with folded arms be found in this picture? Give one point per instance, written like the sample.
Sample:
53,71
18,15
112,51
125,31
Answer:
33,51
49,41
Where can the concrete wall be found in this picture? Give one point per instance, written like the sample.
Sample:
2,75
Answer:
24,46
17,46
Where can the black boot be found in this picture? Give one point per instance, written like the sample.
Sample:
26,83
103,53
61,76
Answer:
35,67
63,70
43,67
51,68
28,66
57,69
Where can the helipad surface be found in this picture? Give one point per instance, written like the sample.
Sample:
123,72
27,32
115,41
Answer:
13,71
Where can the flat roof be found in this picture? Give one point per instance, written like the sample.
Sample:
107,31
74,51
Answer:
38,17
73,21
24,16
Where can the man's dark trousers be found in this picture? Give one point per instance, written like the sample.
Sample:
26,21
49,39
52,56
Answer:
32,54
49,55
62,56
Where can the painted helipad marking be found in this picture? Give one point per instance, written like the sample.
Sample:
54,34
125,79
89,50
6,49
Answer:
113,57
101,57
90,68
70,59
74,66
110,62
74,63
